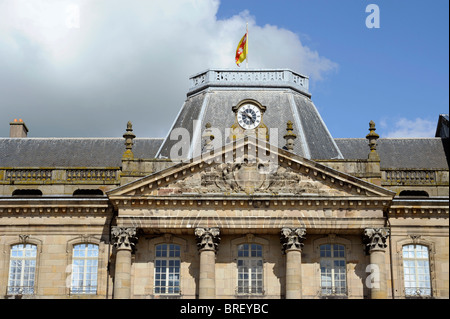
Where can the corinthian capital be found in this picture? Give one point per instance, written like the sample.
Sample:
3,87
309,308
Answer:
124,237
292,238
207,238
375,238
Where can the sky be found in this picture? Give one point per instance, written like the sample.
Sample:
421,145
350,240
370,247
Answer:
84,68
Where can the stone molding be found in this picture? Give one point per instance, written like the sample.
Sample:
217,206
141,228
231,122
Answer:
207,238
375,238
292,238
124,237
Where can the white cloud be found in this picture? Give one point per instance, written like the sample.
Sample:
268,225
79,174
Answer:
128,60
412,128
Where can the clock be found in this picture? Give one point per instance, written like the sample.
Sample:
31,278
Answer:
249,116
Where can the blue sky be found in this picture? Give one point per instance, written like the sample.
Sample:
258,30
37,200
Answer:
394,75
83,68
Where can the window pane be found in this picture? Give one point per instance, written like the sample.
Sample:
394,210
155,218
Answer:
333,269
416,270
22,269
167,269
250,269
84,269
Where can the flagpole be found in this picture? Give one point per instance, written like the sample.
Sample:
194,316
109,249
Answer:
246,53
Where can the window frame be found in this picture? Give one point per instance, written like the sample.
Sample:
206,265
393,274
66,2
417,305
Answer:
85,259
176,259
34,258
415,259
331,260
248,270
400,282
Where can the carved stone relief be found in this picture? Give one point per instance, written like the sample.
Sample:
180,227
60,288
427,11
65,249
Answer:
124,237
207,238
252,176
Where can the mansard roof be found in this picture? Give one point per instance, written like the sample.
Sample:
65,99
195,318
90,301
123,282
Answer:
71,152
285,95
406,153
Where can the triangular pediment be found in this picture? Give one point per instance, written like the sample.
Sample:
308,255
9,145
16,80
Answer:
250,167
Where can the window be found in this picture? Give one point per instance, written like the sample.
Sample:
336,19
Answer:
167,269
333,269
416,270
84,269
250,269
27,192
22,269
88,192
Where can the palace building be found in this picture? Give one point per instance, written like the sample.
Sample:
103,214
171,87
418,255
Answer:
248,196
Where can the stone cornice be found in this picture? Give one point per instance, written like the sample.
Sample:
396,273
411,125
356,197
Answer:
253,201
437,207
53,205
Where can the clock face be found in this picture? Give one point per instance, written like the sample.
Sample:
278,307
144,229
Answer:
249,116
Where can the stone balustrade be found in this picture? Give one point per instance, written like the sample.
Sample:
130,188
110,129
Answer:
408,177
49,176
278,78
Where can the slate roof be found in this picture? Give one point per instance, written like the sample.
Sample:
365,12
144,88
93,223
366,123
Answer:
213,101
71,152
426,153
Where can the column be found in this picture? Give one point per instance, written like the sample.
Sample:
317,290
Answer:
292,243
124,242
375,241
207,242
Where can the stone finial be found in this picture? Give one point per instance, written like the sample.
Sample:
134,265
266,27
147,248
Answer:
124,237
129,136
208,137
289,136
292,238
207,238
372,137
375,238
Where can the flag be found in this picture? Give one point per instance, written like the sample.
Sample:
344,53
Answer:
242,49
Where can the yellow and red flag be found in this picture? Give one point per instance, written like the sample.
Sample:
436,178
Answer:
242,49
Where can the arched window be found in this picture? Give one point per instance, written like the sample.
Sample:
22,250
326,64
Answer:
416,270
333,277
167,269
22,269
84,269
414,193
250,269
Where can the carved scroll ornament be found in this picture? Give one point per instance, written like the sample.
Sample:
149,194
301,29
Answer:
292,238
207,238
124,237
375,238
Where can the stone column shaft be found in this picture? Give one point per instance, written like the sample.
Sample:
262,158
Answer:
122,277
293,274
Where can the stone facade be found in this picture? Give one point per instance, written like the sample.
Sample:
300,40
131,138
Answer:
246,220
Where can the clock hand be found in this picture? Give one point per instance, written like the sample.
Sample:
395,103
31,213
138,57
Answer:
248,115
